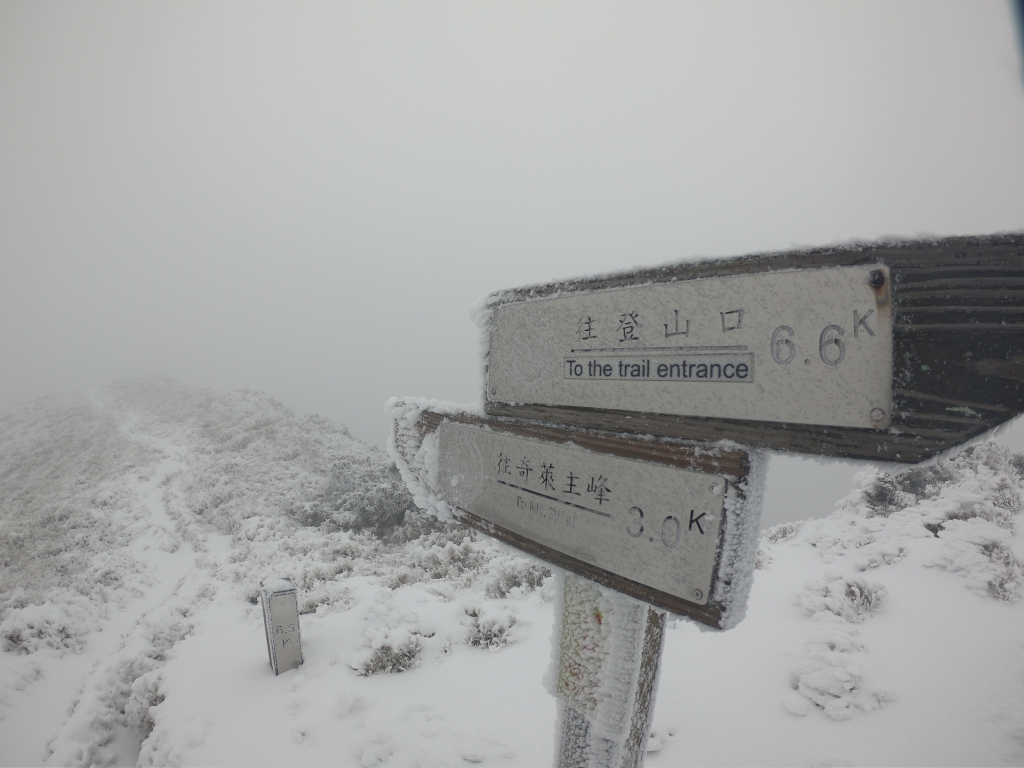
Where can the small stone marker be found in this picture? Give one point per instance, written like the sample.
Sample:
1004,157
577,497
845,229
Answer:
281,619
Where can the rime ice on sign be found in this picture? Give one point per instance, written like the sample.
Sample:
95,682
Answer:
606,654
281,619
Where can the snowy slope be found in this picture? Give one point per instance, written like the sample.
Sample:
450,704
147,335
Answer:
136,523
889,633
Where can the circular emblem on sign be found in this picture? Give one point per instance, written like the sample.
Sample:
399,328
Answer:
467,485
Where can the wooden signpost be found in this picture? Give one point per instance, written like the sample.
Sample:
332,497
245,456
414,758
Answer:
626,419
893,351
640,527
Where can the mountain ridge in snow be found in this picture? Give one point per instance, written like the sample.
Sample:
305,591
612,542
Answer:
137,521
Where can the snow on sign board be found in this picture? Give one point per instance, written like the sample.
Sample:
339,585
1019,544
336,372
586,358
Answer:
798,346
659,520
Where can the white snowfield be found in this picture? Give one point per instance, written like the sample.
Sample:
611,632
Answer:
136,524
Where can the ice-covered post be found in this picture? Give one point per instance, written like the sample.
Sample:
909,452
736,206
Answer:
607,653
281,620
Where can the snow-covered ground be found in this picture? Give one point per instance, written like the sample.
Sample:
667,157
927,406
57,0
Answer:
136,523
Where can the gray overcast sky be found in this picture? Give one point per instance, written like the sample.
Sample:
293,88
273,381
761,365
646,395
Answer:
307,198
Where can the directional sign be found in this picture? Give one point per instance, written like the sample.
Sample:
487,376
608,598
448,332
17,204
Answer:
800,346
615,404
893,351
648,518
653,524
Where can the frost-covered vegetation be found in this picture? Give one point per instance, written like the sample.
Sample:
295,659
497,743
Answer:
969,504
136,523
92,486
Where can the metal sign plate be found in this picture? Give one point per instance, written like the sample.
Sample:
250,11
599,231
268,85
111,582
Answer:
650,523
799,346
281,619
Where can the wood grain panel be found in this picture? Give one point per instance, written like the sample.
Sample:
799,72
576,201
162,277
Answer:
958,349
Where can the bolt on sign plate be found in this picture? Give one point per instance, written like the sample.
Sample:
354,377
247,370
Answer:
810,346
650,528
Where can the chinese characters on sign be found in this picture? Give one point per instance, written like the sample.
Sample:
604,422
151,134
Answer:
812,346
629,326
655,524
597,488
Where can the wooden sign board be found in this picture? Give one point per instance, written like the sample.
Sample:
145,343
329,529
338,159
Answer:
892,351
664,522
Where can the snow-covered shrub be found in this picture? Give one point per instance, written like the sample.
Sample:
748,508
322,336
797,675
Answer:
831,675
364,495
891,493
145,694
417,525
976,548
61,627
850,599
982,510
1007,583
861,598
438,557
322,596
489,629
396,654
887,496
521,574
782,532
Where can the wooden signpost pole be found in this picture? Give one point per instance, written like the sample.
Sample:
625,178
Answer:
608,654
615,411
